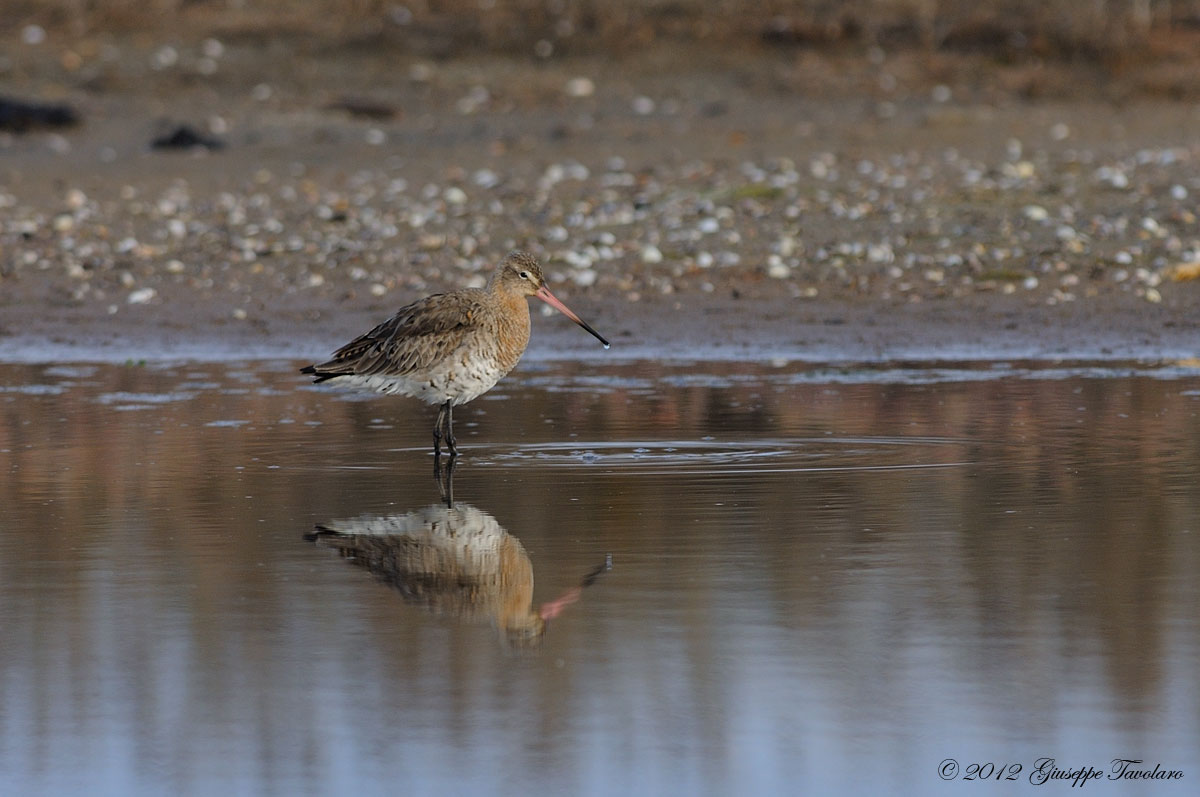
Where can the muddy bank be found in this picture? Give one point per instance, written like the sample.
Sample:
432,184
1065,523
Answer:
675,328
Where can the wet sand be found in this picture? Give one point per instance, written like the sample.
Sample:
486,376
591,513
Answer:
768,206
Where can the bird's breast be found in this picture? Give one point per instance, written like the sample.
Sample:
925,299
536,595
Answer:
510,332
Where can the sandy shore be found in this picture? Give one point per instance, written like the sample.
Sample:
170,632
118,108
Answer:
688,210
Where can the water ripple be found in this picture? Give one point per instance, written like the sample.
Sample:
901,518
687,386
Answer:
779,455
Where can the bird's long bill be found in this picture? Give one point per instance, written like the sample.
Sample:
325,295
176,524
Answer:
546,296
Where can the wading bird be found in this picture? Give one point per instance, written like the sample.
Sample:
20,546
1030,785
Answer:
448,348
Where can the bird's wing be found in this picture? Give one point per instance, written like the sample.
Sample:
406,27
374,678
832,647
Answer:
417,337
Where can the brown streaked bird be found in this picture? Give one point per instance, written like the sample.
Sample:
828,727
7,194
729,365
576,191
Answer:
448,348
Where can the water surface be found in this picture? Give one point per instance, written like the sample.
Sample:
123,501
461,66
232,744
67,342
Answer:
692,578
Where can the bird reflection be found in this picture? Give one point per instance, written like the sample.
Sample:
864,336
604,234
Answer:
444,476
454,562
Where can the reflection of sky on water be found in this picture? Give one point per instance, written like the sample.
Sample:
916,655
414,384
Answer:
814,585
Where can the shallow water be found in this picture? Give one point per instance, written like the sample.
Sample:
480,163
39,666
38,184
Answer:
760,579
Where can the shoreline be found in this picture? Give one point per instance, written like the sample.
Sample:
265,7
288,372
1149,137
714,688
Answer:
667,329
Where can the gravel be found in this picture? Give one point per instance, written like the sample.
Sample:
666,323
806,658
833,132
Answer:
673,192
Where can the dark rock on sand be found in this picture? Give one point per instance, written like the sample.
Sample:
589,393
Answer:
17,116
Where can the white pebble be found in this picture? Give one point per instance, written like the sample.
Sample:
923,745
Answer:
454,195
164,57
643,106
580,87
474,99
212,48
33,34
142,295
880,253
1113,176
1030,283
651,254
485,178
1035,213
777,269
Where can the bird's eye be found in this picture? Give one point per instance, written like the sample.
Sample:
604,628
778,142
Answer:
524,275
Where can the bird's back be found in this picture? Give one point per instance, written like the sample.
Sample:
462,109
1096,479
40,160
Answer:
445,347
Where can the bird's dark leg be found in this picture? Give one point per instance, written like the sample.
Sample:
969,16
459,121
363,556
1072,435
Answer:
450,441
437,439
437,429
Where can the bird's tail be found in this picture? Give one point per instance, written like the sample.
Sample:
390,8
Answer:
318,374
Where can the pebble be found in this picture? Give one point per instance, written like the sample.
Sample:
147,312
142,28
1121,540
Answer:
142,296
33,34
777,269
643,106
580,87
